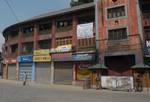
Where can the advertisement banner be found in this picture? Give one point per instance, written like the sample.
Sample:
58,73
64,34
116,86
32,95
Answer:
25,58
117,83
83,73
85,31
148,47
62,57
41,52
41,58
64,48
83,57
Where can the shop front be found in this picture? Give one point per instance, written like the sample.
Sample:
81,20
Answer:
42,62
63,68
120,65
82,61
26,66
10,69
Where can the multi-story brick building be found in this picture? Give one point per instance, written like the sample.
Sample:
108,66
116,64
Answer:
120,37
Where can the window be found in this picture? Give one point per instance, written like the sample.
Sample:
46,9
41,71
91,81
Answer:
64,24
28,30
116,12
14,33
117,34
87,19
44,28
64,41
45,44
14,48
27,47
147,33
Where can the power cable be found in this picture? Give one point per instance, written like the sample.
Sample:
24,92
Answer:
11,9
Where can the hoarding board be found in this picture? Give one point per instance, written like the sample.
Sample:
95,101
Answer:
41,58
25,58
148,47
41,52
85,31
63,48
116,82
82,57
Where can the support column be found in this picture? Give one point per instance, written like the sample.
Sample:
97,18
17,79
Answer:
52,73
6,70
33,71
53,33
35,37
20,41
17,71
74,74
74,28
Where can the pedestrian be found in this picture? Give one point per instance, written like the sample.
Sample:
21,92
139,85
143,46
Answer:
98,82
24,78
138,83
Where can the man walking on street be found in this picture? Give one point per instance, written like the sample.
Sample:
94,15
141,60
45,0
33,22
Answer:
25,79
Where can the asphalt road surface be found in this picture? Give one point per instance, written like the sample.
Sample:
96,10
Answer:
15,92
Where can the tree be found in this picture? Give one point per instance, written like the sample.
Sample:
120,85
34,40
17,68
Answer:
79,2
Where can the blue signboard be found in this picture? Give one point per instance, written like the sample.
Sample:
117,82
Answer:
148,47
83,57
25,58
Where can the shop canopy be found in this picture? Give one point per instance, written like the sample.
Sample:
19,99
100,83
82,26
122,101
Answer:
140,66
97,66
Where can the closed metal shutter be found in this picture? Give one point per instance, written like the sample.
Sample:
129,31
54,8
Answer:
63,73
12,72
25,67
43,72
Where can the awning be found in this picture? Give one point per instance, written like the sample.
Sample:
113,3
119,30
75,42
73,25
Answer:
97,66
140,66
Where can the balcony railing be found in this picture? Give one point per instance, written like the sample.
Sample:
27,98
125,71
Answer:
131,44
63,29
44,32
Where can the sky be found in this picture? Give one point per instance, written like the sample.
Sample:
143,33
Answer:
26,9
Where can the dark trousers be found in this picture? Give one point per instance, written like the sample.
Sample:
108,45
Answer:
139,87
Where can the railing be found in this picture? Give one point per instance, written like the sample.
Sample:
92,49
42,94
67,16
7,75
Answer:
44,32
131,44
63,29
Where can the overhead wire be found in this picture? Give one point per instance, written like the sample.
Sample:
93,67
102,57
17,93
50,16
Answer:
11,9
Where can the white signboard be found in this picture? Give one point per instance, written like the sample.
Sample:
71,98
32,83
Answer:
85,31
118,83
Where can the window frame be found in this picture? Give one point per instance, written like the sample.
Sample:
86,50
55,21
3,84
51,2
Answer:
121,17
116,29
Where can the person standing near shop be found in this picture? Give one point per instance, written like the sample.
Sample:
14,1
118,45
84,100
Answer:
138,83
98,81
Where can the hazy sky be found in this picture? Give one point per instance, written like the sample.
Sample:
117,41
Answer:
25,9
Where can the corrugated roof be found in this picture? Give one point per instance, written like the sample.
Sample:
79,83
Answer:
54,13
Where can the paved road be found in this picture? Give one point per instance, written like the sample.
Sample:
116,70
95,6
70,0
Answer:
14,92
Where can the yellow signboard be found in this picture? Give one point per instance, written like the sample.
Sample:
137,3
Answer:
41,52
41,58
63,48
83,73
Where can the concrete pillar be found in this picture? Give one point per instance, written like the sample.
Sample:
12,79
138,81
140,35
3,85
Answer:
35,37
74,74
33,72
20,41
53,33
6,70
74,28
17,71
52,73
